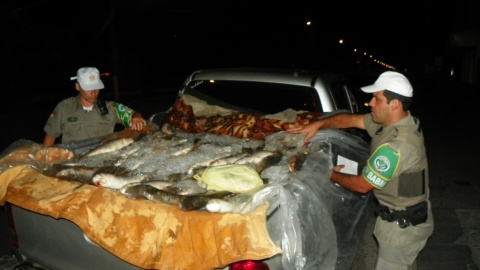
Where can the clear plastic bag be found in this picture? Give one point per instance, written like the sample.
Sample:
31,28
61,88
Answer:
235,178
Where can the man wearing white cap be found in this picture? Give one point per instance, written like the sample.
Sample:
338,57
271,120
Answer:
396,171
85,116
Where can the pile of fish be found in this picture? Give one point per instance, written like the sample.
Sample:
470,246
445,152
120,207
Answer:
164,167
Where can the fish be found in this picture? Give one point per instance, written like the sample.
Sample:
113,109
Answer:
160,184
219,206
231,205
128,153
256,157
228,160
197,168
196,202
136,165
166,145
205,163
295,162
175,177
108,147
261,160
185,203
161,196
52,169
184,187
167,129
183,151
209,152
133,190
112,181
116,170
187,187
79,174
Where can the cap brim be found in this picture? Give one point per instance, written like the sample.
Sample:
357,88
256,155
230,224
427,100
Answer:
371,88
90,87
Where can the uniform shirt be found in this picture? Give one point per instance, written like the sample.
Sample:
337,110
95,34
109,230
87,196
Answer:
397,167
70,120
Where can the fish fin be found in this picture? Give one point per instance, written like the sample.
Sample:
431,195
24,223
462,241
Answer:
79,186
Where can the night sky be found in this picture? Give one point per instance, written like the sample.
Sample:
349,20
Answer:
152,43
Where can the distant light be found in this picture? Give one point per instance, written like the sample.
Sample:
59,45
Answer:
452,71
212,81
309,23
340,41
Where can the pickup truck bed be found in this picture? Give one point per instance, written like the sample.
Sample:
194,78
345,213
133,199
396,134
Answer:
147,234
152,235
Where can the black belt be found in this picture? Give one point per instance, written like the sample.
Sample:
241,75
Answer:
412,215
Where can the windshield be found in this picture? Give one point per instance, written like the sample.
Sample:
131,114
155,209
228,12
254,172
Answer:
265,98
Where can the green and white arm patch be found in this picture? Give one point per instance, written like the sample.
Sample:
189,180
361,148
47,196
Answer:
123,113
381,166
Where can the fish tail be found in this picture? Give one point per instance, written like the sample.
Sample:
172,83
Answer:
79,186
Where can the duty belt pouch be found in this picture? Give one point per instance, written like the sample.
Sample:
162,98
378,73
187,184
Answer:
417,213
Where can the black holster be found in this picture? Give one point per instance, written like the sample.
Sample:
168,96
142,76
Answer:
412,215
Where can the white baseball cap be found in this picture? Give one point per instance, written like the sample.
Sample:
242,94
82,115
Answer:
89,78
392,81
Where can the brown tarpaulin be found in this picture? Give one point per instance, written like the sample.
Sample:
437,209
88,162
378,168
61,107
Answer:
147,234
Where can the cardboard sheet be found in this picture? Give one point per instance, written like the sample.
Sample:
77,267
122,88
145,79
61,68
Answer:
147,234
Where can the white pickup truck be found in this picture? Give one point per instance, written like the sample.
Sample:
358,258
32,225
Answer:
310,222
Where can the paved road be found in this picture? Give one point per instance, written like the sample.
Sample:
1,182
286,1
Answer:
454,175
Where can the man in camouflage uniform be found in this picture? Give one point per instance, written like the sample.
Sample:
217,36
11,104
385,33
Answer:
396,171
84,117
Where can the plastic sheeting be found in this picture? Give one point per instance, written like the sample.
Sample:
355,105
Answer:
317,224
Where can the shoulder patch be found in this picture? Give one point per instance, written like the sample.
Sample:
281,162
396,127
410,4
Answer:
120,107
381,166
124,113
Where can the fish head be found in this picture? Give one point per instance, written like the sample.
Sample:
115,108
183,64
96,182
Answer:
65,173
100,180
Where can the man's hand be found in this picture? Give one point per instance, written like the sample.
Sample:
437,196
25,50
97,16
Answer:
310,129
338,168
137,122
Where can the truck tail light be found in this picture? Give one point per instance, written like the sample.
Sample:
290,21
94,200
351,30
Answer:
249,265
